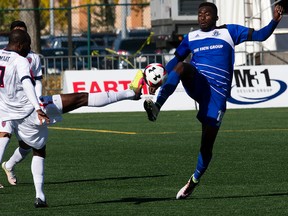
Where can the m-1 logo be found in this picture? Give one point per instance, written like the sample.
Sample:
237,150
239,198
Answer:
252,87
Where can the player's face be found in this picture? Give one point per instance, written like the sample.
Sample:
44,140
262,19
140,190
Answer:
206,18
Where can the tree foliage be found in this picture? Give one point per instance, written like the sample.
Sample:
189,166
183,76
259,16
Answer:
102,17
6,15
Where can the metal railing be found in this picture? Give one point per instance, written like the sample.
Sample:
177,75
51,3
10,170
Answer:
53,67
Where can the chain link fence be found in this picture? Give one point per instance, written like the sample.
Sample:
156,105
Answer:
53,31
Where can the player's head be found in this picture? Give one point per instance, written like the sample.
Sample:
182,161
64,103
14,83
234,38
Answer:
18,24
19,41
207,16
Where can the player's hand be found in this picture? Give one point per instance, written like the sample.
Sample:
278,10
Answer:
278,13
152,90
42,117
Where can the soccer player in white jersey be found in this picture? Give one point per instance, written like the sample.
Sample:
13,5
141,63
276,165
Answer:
36,74
207,78
22,119
33,59
19,106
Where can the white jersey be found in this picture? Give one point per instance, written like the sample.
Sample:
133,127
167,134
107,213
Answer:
35,65
35,71
14,104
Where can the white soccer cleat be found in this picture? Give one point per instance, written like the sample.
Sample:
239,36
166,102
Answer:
187,190
10,174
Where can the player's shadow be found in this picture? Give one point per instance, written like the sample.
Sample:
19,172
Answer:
141,200
133,200
137,200
106,179
244,196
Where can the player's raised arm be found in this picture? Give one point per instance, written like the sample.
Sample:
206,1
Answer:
265,32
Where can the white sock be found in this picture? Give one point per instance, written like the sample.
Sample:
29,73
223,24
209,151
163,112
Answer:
37,168
4,141
105,98
18,155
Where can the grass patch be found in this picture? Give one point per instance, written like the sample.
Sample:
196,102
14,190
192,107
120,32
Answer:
91,170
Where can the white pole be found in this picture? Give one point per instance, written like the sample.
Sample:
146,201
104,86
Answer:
51,17
124,19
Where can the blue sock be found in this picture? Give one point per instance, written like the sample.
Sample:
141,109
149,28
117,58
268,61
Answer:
168,88
201,166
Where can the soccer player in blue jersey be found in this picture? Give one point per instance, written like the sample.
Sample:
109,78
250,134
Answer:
207,78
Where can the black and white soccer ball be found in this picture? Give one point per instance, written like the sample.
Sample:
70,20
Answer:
155,74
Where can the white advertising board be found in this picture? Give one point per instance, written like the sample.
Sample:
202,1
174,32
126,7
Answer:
115,80
259,87
252,87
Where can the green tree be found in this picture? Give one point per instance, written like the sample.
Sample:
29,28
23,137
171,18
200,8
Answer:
30,15
103,16
60,16
7,14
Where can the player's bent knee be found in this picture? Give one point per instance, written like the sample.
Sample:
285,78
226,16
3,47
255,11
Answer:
184,69
179,68
40,152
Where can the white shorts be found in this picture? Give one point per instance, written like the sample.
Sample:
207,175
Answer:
29,129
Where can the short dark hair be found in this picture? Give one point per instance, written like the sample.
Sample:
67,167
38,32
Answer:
17,23
209,4
19,36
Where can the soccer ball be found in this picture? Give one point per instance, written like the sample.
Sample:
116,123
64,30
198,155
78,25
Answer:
155,74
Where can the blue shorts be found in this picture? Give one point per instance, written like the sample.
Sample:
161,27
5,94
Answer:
212,105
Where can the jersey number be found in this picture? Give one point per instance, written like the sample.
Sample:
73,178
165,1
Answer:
2,72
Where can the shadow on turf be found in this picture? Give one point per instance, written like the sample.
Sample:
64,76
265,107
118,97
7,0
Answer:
141,200
136,200
244,196
100,179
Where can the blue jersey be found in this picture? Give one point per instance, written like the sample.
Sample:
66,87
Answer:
213,57
213,54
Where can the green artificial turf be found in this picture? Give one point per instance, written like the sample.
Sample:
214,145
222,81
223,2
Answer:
122,164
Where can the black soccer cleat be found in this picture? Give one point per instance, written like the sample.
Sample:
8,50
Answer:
40,203
151,109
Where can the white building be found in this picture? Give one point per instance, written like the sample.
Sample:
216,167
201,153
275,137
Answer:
171,18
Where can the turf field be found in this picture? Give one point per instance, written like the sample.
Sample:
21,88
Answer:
122,164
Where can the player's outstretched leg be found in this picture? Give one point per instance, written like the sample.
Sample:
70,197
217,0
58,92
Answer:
187,190
151,109
10,174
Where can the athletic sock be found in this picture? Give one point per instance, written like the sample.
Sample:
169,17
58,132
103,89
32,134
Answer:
4,141
167,88
18,155
201,166
37,168
105,98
